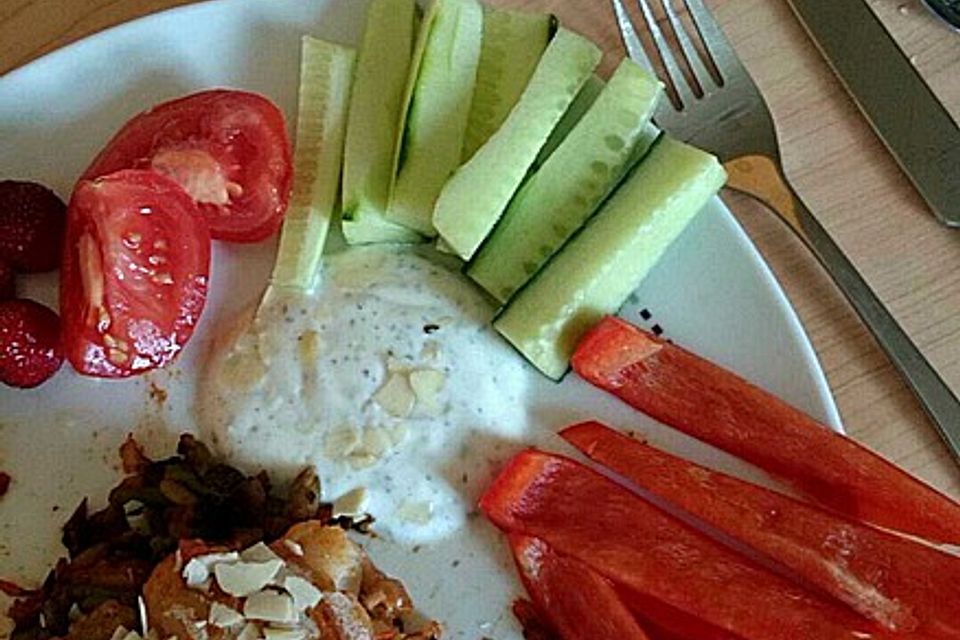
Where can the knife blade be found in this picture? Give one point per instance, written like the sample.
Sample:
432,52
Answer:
897,102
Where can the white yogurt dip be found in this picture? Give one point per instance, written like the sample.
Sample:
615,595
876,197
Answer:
390,379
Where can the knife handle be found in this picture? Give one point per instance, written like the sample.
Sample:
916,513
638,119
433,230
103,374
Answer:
761,177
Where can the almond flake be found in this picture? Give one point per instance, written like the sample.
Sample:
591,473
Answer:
358,461
426,385
305,595
250,632
270,606
376,442
120,633
395,396
245,578
415,512
397,433
258,553
351,503
341,442
224,617
271,633
196,573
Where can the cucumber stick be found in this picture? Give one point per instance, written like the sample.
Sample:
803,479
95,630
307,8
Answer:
571,184
580,105
472,201
599,267
437,121
326,71
513,42
373,127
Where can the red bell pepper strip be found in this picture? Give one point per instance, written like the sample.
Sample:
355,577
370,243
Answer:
533,625
665,622
580,513
576,601
715,405
903,585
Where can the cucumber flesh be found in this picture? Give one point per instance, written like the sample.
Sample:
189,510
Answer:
326,72
513,42
373,126
437,120
419,49
559,198
599,267
580,105
473,199
442,246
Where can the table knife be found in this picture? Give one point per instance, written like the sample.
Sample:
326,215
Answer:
897,102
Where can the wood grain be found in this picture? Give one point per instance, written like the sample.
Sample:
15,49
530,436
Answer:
835,160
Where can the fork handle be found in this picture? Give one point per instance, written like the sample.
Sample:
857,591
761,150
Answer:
762,178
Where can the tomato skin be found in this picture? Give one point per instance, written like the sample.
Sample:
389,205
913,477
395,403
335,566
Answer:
229,149
134,276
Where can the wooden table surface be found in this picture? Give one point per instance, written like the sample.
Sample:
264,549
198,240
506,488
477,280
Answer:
837,163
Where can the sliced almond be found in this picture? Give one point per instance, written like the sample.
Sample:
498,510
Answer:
397,433
272,633
270,606
120,634
362,461
376,442
395,396
225,617
305,595
414,512
245,578
351,503
196,573
426,385
211,559
341,443
250,632
258,553
208,561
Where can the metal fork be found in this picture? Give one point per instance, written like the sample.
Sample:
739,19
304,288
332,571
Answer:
729,118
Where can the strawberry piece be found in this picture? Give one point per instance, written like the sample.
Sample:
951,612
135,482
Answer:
8,281
578,602
644,550
30,350
902,584
32,222
712,404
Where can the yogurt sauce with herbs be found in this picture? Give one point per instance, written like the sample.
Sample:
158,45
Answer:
390,380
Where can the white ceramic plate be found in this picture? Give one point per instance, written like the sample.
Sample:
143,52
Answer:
712,292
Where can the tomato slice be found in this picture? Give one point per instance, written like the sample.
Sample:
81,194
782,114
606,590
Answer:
135,270
229,149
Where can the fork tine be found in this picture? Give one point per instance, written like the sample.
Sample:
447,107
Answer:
718,47
699,70
630,38
675,75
